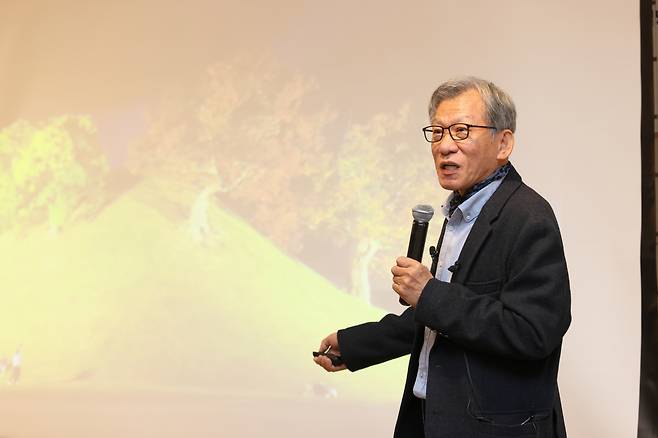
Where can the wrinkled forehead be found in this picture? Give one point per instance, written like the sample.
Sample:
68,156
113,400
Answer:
466,107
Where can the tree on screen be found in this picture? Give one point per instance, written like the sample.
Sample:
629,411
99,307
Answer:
51,172
376,184
247,138
253,139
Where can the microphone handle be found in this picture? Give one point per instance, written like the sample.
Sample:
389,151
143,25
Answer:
416,244
417,240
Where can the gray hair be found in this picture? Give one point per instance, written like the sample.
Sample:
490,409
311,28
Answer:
498,106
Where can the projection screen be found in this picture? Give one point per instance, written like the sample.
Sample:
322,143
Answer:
193,194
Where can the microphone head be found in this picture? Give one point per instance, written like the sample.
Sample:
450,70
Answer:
422,213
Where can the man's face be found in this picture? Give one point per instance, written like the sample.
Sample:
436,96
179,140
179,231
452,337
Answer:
463,163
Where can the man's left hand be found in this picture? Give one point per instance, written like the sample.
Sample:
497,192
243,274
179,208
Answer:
409,279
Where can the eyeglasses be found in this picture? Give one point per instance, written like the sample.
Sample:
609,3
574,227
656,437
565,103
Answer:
458,131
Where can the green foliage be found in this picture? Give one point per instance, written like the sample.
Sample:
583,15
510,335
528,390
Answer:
251,133
49,172
254,137
380,175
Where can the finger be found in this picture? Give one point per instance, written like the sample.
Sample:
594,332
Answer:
320,361
406,262
331,368
402,280
397,270
326,343
325,363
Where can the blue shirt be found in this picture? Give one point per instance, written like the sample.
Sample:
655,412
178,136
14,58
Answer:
457,229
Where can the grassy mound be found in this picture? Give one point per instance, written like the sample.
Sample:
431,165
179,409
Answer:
131,299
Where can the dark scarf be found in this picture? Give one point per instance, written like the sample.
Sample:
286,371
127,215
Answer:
457,199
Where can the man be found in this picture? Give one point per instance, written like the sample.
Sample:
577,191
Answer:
485,334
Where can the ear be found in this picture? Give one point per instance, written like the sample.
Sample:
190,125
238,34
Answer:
505,145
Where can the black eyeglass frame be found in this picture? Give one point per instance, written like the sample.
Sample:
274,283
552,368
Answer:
428,132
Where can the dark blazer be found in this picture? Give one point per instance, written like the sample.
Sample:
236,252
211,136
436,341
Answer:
500,322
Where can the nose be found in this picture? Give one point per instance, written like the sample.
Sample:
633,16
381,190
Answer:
445,147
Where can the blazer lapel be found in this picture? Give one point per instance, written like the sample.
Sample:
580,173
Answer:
482,226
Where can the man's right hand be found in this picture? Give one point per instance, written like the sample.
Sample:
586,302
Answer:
324,361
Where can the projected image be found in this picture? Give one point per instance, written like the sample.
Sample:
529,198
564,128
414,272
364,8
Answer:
194,194
207,251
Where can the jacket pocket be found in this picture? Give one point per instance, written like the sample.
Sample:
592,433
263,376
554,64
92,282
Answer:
517,424
484,287
491,430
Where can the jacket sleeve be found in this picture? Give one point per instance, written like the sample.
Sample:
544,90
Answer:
372,343
528,314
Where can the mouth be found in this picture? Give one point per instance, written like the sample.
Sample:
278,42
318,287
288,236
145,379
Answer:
448,165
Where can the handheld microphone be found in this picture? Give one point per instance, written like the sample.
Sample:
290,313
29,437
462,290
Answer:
422,215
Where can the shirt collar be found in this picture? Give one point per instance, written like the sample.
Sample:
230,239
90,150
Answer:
470,208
